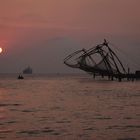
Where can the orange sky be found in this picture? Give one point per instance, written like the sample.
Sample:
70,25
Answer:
80,20
96,15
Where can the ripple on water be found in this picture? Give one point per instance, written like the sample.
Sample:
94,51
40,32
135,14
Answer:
63,121
90,129
8,122
102,118
30,110
127,118
2,137
5,131
57,108
127,139
124,127
39,132
135,95
5,104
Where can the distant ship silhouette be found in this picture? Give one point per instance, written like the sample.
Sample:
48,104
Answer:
28,70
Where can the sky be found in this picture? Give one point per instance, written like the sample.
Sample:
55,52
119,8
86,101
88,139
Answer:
41,33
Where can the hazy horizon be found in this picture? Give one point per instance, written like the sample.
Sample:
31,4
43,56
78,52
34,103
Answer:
42,33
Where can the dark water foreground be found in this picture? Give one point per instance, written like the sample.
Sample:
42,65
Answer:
68,108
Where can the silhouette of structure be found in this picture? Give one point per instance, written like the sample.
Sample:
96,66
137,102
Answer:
20,77
28,70
100,60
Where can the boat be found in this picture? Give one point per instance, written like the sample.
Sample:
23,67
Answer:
20,77
28,70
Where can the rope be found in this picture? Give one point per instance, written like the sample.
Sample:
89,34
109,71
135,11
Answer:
125,54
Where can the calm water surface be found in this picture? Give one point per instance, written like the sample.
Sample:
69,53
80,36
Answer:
68,108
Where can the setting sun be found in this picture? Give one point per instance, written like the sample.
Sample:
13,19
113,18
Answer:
0,50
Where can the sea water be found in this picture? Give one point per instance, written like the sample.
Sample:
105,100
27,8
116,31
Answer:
68,107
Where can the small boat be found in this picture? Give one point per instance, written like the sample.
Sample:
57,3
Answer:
20,77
